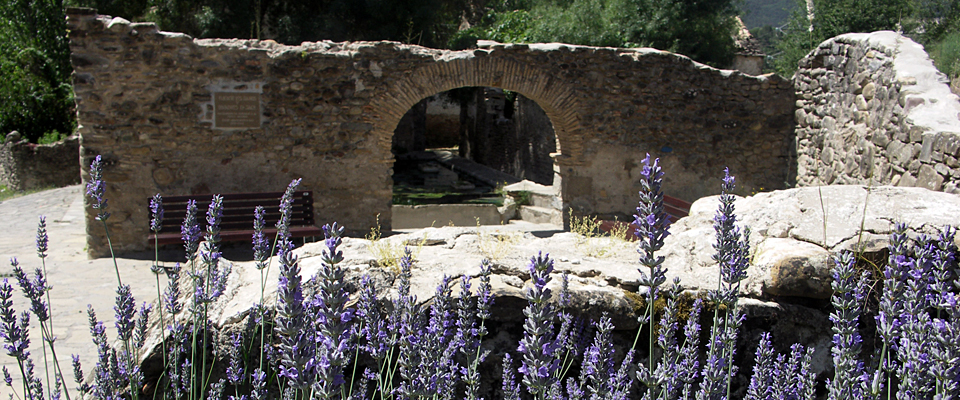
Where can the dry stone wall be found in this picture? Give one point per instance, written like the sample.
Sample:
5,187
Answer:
177,115
873,110
28,166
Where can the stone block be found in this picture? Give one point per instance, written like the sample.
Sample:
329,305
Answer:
929,178
926,149
906,180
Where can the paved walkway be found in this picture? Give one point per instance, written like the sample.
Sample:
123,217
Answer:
76,280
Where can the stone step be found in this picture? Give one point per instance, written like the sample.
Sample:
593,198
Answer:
540,195
541,215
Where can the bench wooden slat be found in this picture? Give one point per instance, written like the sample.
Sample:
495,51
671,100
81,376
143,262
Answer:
236,223
241,235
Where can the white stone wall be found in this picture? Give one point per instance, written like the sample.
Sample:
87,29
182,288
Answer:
872,109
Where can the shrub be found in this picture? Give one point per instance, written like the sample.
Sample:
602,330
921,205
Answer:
313,345
946,55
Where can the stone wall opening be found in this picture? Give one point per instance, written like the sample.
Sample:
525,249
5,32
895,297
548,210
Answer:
469,147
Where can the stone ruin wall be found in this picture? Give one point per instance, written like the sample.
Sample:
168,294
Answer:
31,166
328,112
873,110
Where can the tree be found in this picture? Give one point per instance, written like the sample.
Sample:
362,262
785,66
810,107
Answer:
834,17
701,29
36,97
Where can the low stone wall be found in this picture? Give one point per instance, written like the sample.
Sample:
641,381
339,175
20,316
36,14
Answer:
872,109
27,166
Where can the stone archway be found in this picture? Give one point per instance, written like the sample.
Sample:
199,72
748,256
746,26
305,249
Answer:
556,98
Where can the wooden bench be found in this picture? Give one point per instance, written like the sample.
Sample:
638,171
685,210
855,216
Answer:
237,221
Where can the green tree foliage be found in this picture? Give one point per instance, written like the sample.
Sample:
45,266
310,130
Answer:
35,93
426,22
835,17
701,29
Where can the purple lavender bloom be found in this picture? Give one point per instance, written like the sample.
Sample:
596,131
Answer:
34,290
190,230
125,310
234,371
761,383
943,264
849,291
915,339
171,296
731,245
15,335
427,350
286,209
261,247
333,322
511,389
732,250
485,297
140,331
688,366
96,189
42,239
665,381
806,379
538,348
652,223
597,361
297,336
259,380
374,325
214,215
156,213
82,386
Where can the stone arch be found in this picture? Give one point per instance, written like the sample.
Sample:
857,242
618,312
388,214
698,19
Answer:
476,68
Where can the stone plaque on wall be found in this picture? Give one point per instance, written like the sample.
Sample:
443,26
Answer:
236,110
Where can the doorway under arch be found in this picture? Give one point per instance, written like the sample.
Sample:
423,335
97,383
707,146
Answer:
459,153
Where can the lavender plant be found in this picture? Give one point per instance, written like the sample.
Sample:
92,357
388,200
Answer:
537,346
651,222
333,320
156,221
849,292
96,189
732,248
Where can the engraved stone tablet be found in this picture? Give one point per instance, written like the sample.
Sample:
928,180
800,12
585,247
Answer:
236,110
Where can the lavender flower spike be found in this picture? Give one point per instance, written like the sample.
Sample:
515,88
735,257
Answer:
651,222
42,238
849,291
731,245
537,346
333,324
190,231
15,336
261,247
156,212
286,208
96,189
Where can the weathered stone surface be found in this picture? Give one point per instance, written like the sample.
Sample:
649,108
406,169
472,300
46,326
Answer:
887,92
794,231
597,286
328,112
25,166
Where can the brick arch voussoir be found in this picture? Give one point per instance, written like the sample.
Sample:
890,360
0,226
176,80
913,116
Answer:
557,98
